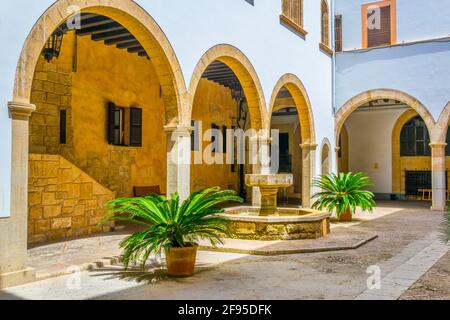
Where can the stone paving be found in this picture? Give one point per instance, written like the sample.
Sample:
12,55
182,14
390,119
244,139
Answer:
406,244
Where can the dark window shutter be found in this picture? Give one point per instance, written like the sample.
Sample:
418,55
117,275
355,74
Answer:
62,126
382,36
111,123
215,132
136,127
224,135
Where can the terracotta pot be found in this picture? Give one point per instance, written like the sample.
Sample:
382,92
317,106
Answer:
346,216
181,261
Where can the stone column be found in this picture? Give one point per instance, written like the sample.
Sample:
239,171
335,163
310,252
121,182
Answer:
179,160
263,166
438,176
308,172
13,229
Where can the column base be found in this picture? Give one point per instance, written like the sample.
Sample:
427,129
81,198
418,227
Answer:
17,278
437,208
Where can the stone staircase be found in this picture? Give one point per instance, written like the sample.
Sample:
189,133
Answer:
63,201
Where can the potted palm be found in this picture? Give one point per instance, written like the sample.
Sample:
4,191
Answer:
344,193
171,226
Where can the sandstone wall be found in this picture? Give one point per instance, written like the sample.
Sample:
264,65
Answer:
63,200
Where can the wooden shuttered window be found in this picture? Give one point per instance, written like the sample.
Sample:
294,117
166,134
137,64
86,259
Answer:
124,121
325,24
136,127
380,36
114,124
379,24
293,10
338,33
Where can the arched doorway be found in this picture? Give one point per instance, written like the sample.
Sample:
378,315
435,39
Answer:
291,114
372,142
93,135
225,95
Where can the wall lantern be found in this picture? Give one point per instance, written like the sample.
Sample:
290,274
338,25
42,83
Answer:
238,95
53,46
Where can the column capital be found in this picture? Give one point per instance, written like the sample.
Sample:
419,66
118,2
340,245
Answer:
20,110
179,130
337,149
308,146
438,145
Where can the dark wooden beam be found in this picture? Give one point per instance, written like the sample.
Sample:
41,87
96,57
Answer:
129,44
116,41
113,26
95,21
110,35
136,49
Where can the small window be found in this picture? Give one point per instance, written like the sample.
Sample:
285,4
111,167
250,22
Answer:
379,24
292,15
62,126
338,33
124,126
415,139
325,23
195,135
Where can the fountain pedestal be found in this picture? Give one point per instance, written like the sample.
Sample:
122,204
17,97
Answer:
269,184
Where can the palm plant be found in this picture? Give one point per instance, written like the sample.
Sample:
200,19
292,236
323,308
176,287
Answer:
344,193
169,224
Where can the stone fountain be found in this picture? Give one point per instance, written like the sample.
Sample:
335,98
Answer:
269,184
269,222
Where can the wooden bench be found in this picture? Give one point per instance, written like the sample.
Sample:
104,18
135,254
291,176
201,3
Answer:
145,191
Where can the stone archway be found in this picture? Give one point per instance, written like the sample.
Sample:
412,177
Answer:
436,133
306,121
130,15
246,74
354,103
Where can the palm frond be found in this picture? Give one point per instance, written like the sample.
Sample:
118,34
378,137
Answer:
170,224
343,191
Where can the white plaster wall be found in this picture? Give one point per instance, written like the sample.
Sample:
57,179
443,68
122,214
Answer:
192,27
370,145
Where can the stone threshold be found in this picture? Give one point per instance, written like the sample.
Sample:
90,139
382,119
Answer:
340,239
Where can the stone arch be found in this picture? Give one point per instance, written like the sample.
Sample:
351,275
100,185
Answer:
298,92
245,72
306,120
354,103
396,165
326,157
443,124
131,16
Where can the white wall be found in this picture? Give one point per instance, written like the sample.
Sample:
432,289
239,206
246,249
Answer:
370,145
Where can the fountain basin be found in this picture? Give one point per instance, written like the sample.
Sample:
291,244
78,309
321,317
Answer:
290,224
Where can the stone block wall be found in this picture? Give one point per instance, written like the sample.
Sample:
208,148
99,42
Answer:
63,201
52,92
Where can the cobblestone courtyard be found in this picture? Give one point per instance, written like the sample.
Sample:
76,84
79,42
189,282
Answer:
413,261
